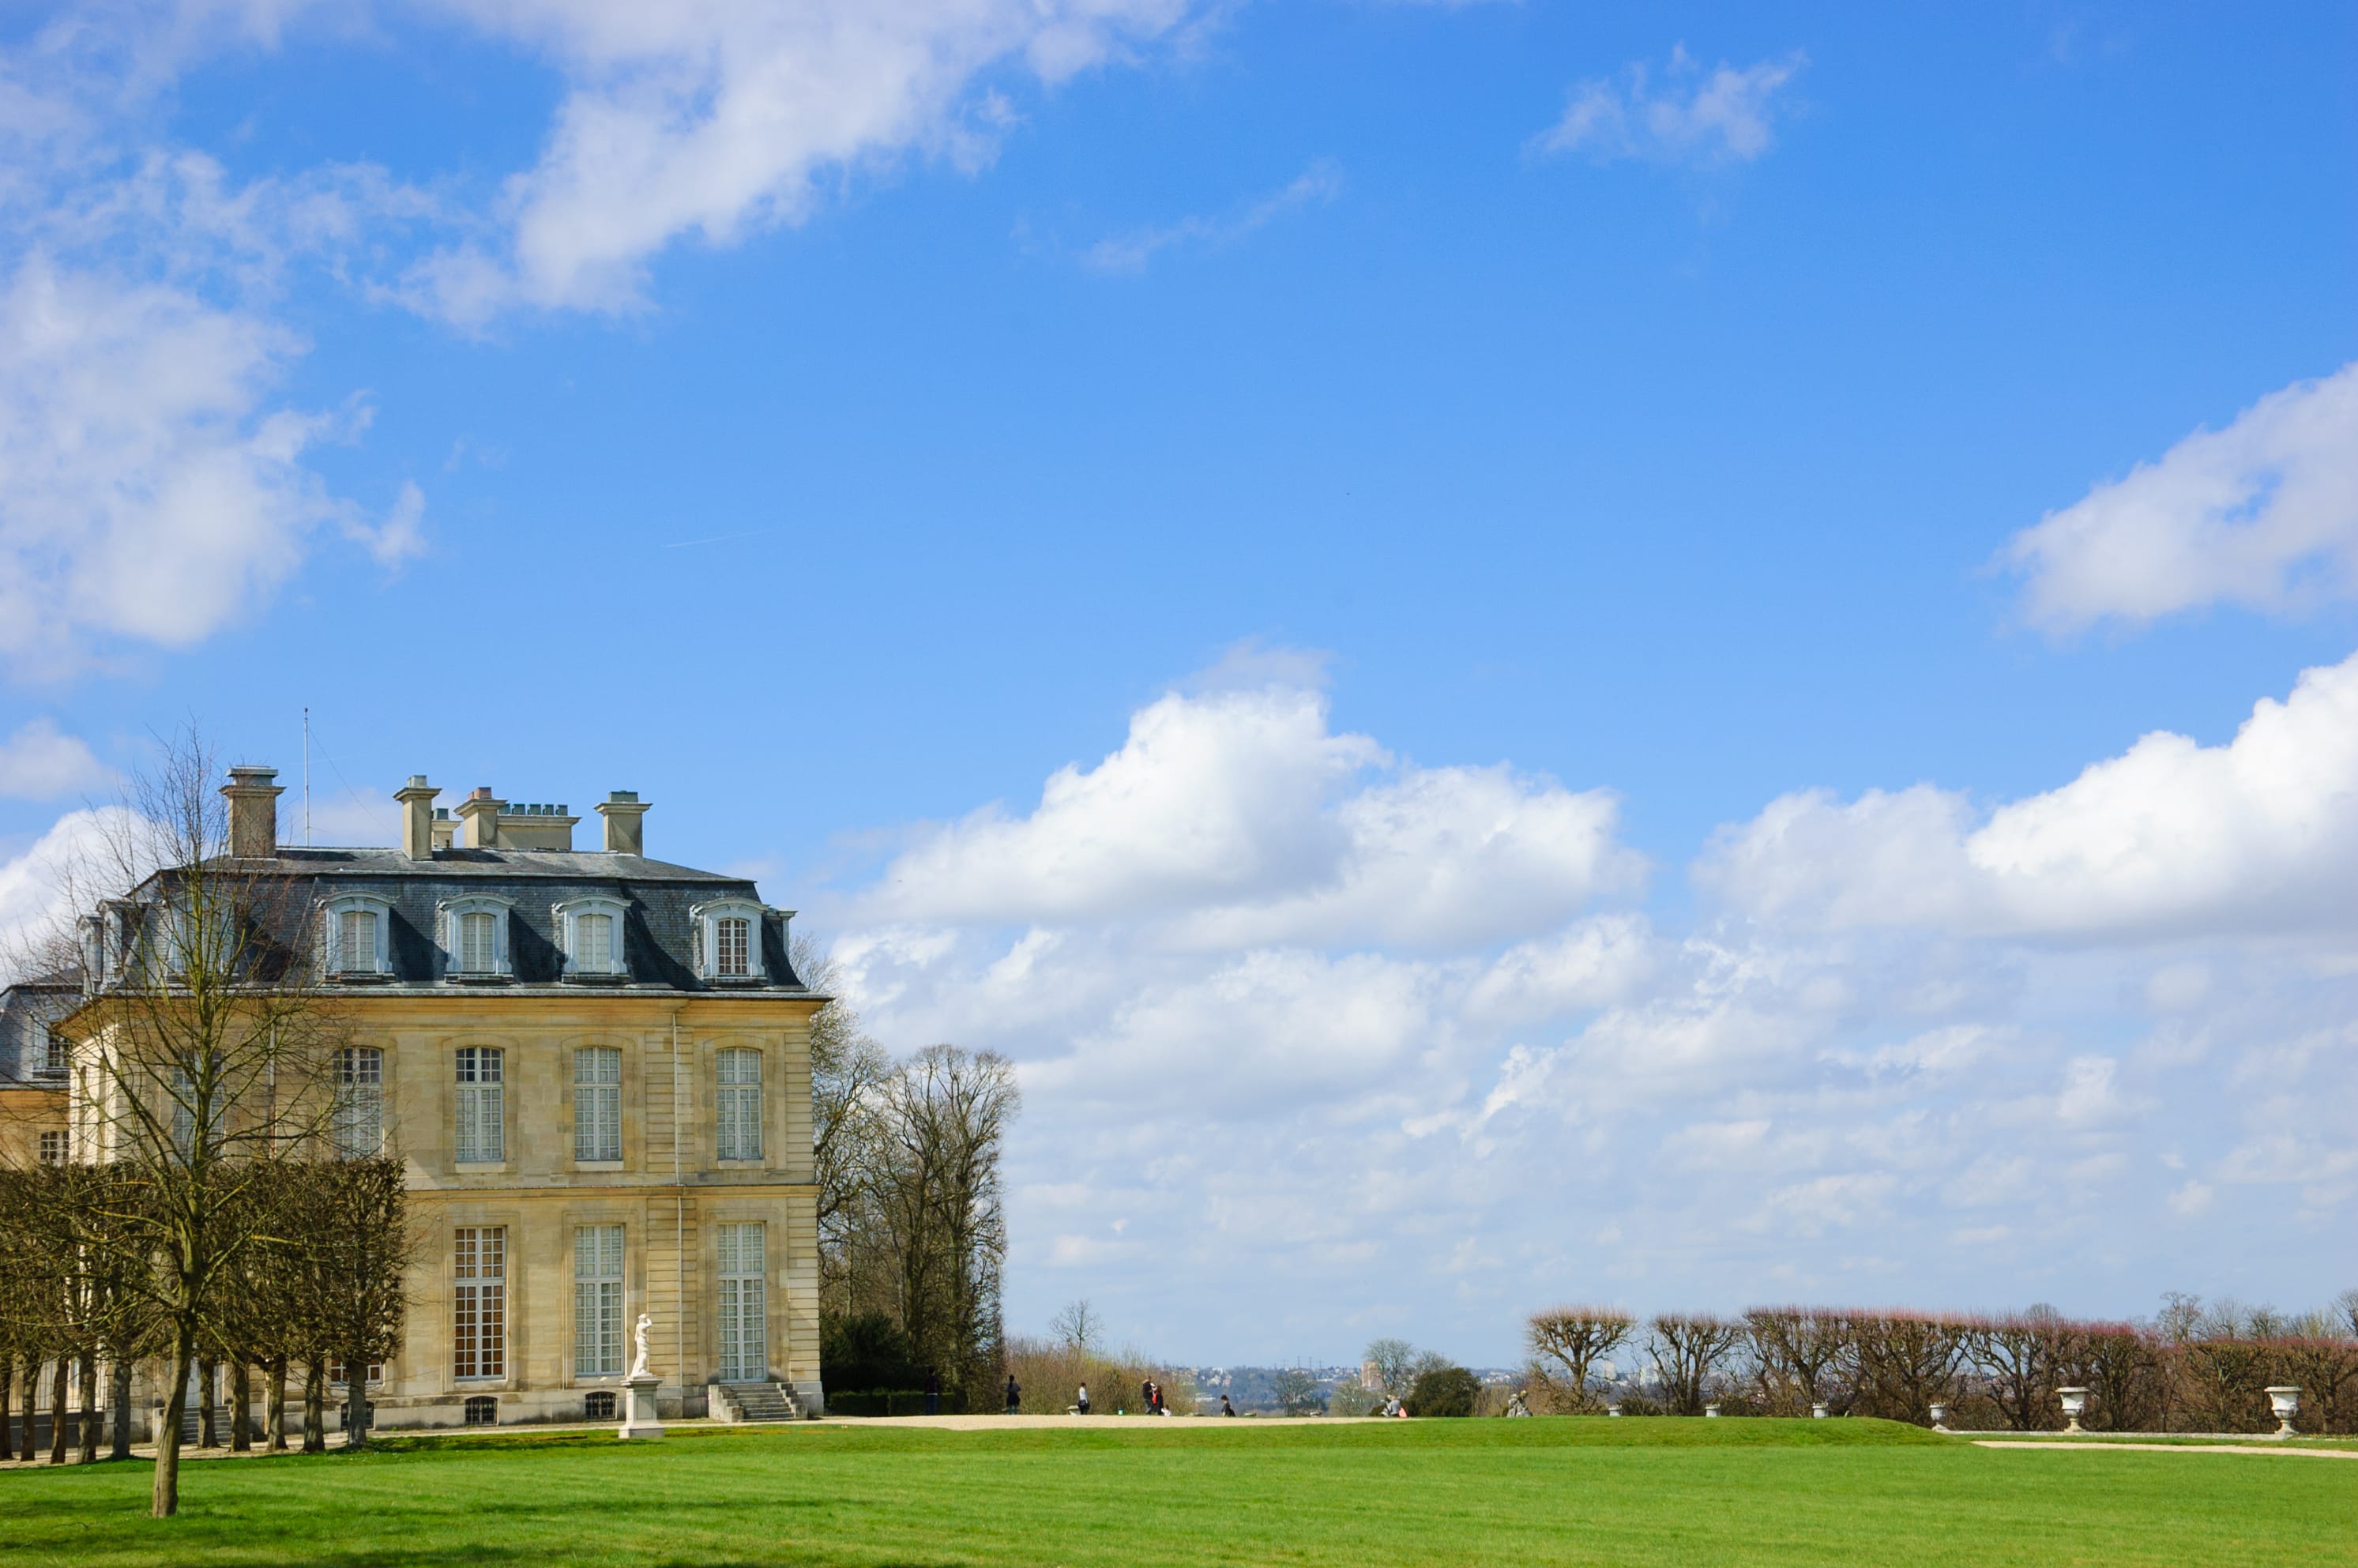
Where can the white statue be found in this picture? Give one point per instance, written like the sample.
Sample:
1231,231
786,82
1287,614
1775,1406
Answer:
639,1366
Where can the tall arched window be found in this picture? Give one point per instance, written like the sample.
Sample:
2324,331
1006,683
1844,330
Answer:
738,1105
360,1102
597,1103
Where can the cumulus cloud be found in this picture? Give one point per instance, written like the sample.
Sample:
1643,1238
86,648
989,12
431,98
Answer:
40,761
2169,836
1724,115
37,884
2263,514
1293,1013
148,488
1240,818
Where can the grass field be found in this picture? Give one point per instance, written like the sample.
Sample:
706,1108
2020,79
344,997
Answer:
1544,1491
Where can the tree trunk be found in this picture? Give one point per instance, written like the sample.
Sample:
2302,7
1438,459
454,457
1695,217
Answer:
241,1408
28,1449
121,1447
208,1426
90,1407
356,1407
166,1500
7,1403
315,1407
274,1405
60,1428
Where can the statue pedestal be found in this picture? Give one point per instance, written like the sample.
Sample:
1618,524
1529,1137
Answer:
640,1423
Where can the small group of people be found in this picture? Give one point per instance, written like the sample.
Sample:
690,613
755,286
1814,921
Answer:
1149,1398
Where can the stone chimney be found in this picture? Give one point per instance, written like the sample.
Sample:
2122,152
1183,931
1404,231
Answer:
625,833
417,799
481,813
253,812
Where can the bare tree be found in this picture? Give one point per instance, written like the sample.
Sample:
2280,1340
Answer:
848,1071
1687,1350
1395,1362
1565,1342
202,1050
933,1188
1079,1326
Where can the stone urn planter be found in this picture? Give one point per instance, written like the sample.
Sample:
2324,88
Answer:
2283,1402
1940,1415
1712,1410
2075,1405
1818,1410
1613,1408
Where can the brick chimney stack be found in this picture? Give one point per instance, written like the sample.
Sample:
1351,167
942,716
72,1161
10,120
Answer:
625,829
417,799
253,812
481,813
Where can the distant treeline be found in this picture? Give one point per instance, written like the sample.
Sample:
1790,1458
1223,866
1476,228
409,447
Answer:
2192,1369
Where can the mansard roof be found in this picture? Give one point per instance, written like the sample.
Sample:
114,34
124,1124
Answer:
659,898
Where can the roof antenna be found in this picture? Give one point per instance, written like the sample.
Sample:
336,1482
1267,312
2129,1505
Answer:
306,778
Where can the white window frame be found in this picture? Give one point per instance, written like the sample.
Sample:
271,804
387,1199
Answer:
53,1057
565,917
741,1301
596,1105
737,1105
478,1324
55,1145
341,963
447,916
598,1264
488,1097
708,917
358,1123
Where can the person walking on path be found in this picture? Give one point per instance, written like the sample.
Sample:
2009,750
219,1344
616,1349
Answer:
1146,1396
1226,1408
1014,1394
933,1393
1083,1405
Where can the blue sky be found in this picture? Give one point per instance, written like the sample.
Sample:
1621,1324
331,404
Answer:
1492,461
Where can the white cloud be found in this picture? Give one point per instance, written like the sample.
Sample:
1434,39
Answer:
1722,116
1132,252
720,119
148,490
1238,817
2263,514
40,761
36,886
2169,836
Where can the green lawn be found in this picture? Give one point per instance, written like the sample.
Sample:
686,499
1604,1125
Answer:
1583,1492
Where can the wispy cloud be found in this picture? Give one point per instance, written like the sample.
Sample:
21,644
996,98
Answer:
1692,117
1132,252
2263,514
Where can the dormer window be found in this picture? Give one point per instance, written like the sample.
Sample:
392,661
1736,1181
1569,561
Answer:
591,930
475,935
729,939
359,933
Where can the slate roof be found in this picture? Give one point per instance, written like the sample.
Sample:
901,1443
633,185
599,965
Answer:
24,1007
659,942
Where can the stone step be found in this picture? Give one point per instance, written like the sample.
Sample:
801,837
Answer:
760,1401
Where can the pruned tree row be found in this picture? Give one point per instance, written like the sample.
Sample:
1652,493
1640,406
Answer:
2190,1369
205,1218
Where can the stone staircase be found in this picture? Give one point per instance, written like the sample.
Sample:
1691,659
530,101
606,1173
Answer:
757,1401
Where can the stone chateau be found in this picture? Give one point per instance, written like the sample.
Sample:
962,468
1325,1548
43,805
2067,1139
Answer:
596,1068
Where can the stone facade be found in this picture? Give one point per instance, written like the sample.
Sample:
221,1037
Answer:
596,1119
